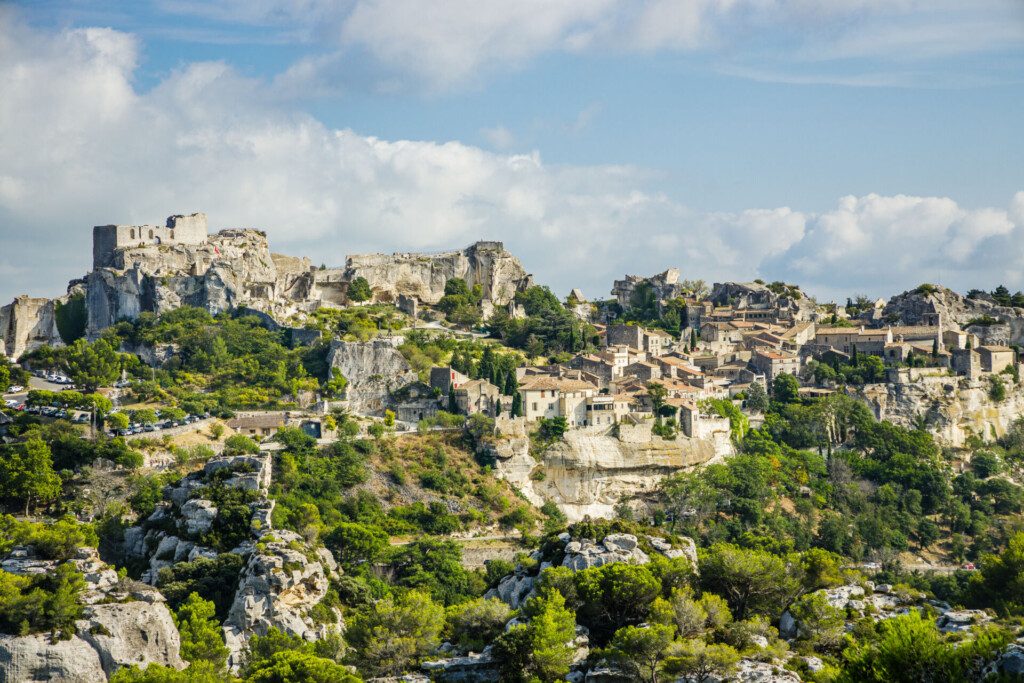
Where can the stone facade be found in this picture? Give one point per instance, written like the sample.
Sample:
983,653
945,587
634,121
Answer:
179,229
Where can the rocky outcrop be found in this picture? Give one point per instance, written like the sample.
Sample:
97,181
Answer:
283,580
27,323
953,408
124,623
884,602
374,370
580,554
589,472
423,276
941,306
789,303
231,269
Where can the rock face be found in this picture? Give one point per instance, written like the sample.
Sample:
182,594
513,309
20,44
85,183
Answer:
589,472
953,407
277,589
423,276
27,323
232,268
944,306
373,369
123,624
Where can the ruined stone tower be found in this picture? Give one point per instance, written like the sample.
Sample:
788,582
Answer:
180,229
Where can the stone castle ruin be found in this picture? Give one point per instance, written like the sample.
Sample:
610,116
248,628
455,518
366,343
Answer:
156,268
179,229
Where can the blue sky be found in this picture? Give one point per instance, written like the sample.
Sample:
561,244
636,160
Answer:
852,146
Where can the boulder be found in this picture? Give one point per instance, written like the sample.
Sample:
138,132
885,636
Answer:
615,548
132,633
956,621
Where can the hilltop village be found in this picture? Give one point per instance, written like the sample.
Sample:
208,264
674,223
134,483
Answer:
222,463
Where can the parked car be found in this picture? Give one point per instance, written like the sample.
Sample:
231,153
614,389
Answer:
15,389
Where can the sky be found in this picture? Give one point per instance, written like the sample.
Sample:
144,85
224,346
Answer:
848,146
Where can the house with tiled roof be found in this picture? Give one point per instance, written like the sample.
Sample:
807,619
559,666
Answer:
550,396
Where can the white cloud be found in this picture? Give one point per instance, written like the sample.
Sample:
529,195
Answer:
439,45
80,145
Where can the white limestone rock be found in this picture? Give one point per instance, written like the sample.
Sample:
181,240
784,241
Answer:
199,515
35,659
374,370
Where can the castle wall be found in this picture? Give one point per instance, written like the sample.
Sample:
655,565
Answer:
180,229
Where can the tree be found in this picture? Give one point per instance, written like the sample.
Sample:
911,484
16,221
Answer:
820,624
693,339
517,405
117,421
751,581
240,444
359,289
201,639
658,395
640,651
910,648
453,406
473,625
615,595
757,398
786,388
695,660
92,365
295,666
71,318
390,635
354,544
5,376
552,428
552,628
27,475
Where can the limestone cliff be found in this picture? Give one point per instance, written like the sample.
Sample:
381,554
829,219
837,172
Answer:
373,369
26,323
590,471
953,408
938,305
423,276
124,623
232,268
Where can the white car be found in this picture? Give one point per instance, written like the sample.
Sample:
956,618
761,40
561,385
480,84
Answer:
15,389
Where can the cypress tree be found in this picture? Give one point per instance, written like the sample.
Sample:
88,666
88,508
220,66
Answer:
453,406
693,339
517,405
511,384
497,408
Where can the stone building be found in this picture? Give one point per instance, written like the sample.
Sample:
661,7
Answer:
480,396
774,363
550,396
180,229
995,358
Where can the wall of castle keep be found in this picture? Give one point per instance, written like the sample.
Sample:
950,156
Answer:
180,229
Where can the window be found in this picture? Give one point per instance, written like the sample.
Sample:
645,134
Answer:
133,233
150,234
172,234
534,406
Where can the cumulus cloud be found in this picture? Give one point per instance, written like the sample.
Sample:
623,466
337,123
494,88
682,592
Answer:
81,145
